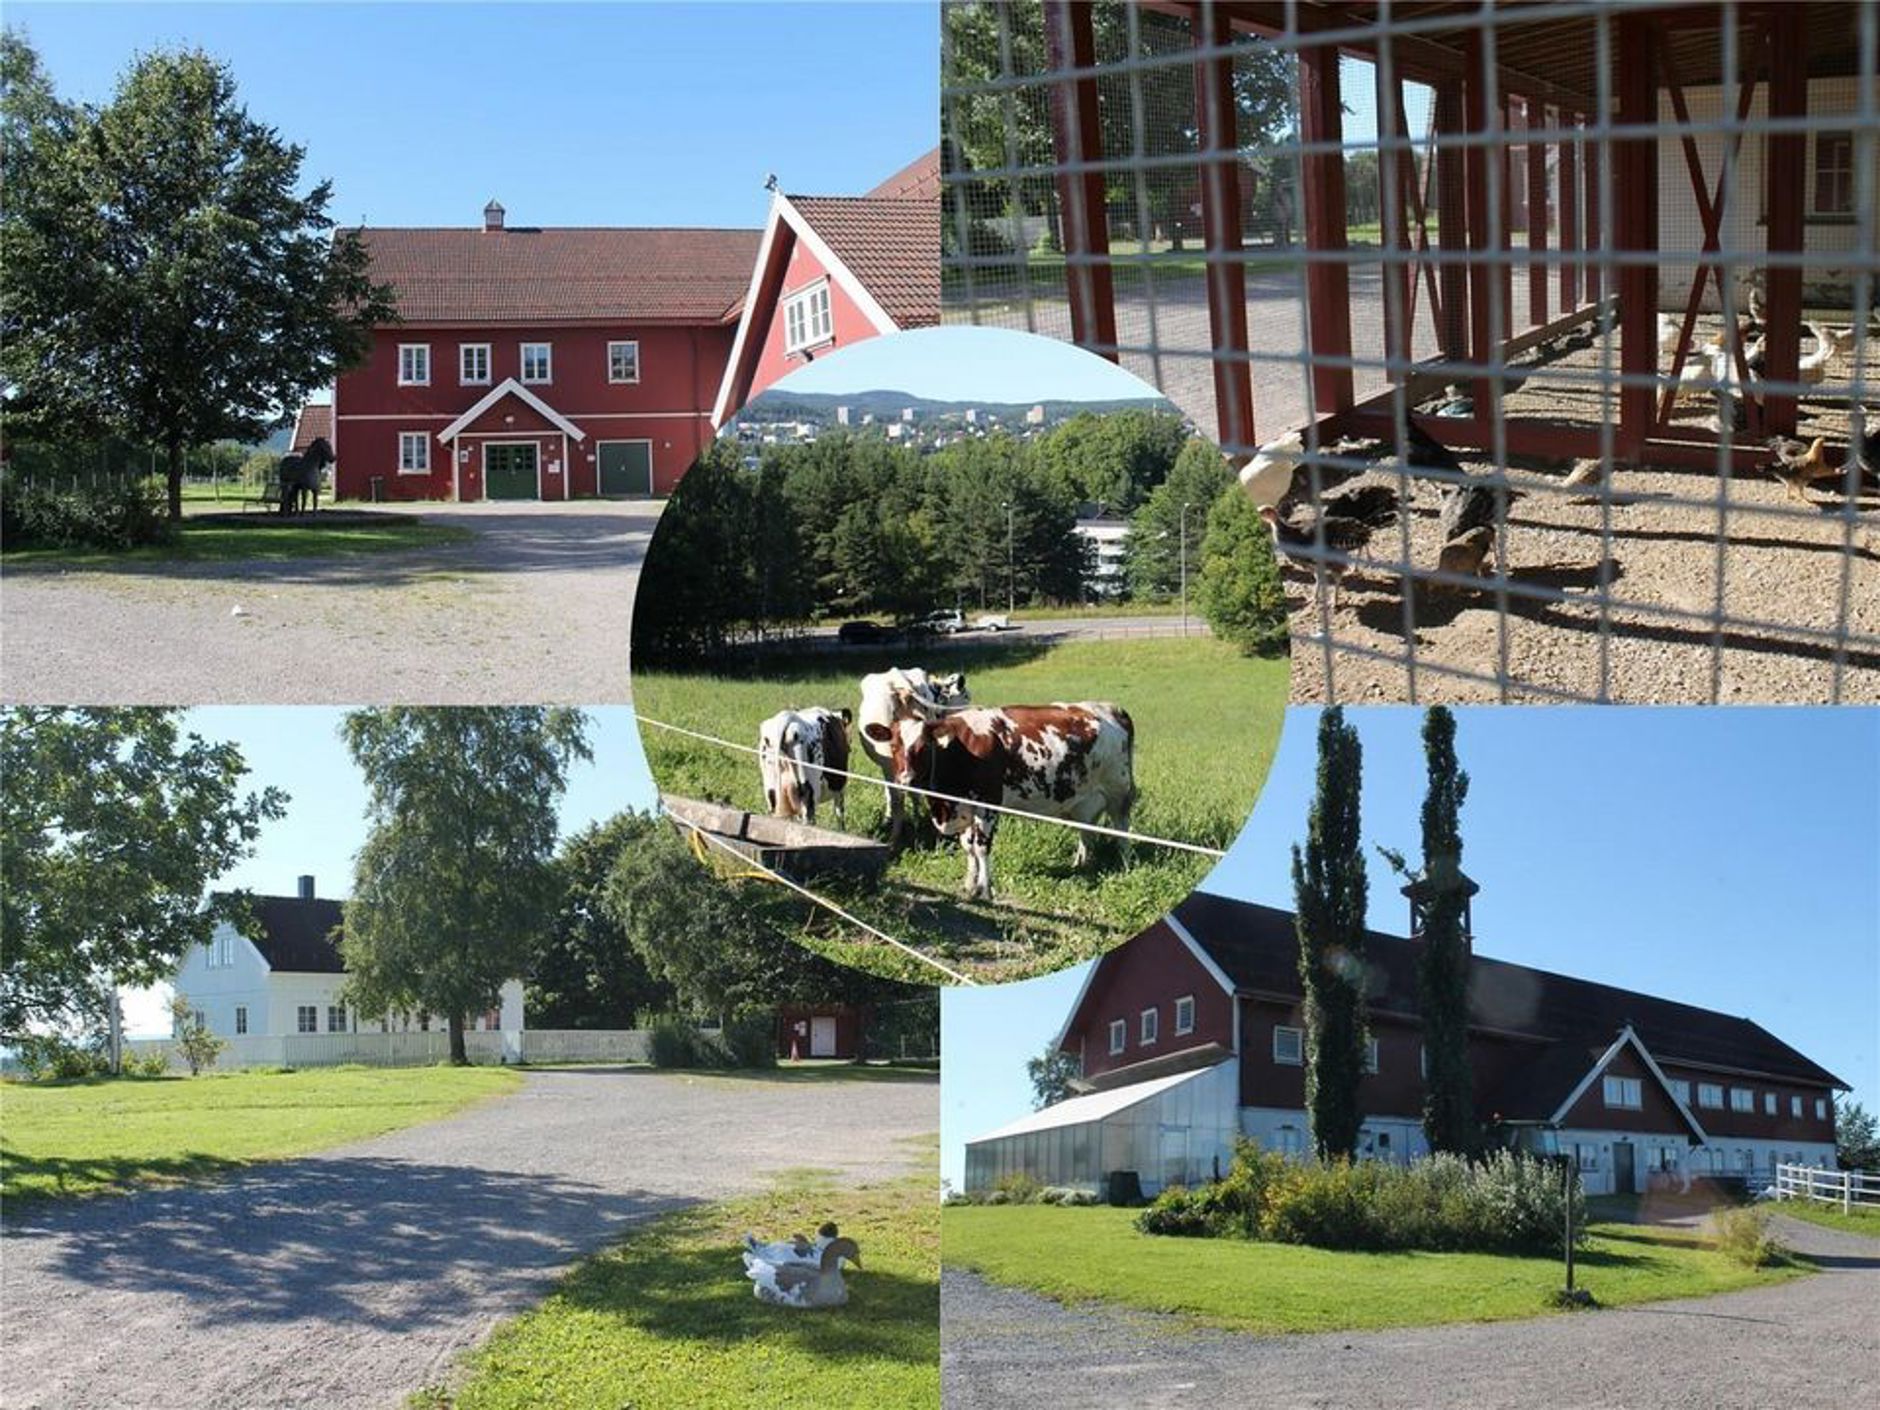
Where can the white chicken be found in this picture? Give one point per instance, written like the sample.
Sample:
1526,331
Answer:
1268,477
1670,334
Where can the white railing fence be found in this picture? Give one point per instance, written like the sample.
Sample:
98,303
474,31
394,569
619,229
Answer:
414,1049
1851,1189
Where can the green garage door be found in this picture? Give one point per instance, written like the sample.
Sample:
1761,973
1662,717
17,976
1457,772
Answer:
626,467
509,473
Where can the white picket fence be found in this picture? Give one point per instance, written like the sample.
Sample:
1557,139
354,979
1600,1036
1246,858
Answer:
415,1049
1847,1188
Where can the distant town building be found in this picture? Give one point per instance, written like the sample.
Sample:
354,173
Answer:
1109,538
842,416
1035,417
907,414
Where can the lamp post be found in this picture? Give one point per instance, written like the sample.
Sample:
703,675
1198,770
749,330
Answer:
1184,566
1011,563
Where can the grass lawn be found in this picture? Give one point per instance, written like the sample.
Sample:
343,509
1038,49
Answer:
68,1138
667,1318
266,537
1207,720
1076,1255
1829,1216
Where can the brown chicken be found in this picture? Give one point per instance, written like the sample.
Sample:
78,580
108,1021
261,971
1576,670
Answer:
1798,466
1347,522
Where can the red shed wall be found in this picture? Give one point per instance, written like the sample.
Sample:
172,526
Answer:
848,1029
847,320
1151,971
1657,1114
1394,1090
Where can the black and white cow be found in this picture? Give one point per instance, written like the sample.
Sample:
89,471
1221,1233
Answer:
1056,761
794,750
902,693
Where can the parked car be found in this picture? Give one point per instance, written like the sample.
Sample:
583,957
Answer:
943,622
865,634
992,622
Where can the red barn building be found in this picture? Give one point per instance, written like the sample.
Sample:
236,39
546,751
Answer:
545,364
835,270
1191,1035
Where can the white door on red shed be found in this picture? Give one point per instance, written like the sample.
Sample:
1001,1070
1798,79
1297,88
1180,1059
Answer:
822,1036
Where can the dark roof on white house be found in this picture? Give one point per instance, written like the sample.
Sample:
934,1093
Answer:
296,933
1257,948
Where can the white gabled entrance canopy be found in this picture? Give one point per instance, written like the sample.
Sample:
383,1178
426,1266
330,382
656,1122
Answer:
1627,1038
510,387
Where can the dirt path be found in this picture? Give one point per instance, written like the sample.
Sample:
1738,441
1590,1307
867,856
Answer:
354,1277
1813,1342
535,608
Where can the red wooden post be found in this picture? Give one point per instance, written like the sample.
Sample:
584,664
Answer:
1505,241
1328,285
1538,270
1635,231
1393,236
1070,43
1478,113
1452,222
1221,232
1785,191
1595,242
1569,215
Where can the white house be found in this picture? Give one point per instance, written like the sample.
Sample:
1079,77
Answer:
283,978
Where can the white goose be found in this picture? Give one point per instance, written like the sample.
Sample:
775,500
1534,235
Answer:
799,1277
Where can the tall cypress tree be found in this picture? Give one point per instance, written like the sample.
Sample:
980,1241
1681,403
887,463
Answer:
1329,891
1443,960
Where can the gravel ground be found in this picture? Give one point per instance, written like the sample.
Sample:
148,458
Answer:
535,609
354,1277
1813,1342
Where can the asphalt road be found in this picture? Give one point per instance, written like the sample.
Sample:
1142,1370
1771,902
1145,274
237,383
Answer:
536,608
1054,630
354,1277
1814,1342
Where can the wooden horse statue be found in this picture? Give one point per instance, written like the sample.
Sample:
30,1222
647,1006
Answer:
300,476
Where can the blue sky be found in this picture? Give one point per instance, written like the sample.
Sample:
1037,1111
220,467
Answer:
569,114
297,748
1724,857
969,364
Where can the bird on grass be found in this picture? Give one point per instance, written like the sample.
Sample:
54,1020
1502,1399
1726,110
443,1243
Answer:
1347,521
799,1278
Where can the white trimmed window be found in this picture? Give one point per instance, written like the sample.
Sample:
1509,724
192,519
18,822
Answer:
1119,1035
1834,173
414,364
538,362
1587,1156
1681,1090
335,1018
241,1019
1795,1106
1821,1108
1665,1159
623,362
1710,1094
414,452
1627,1093
1370,1055
1185,1014
473,364
1289,1046
1151,1026
1742,1099
806,318
307,1018
1769,1103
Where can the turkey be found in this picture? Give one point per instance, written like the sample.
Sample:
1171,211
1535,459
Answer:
1347,520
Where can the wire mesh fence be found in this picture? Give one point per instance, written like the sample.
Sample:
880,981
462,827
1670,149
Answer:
1578,296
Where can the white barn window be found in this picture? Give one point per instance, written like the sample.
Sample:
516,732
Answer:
414,452
307,1019
807,320
473,364
1625,1092
1821,1108
414,364
241,1019
1185,1014
1710,1094
623,362
335,1018
1151,1026
1769,1103
1681,1090
1119,1036
1795,1106
1370,1057
1742,1099
538,362
1289,1046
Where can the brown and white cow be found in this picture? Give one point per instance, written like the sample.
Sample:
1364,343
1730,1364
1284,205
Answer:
794,750
1056,761
888,697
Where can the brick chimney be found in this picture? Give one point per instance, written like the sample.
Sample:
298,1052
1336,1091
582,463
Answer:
1421,893
493,216
306,888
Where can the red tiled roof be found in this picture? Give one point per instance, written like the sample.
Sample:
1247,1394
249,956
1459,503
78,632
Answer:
919,180
891,245
315,419
523,275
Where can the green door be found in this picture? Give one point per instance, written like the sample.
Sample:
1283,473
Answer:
626,467
509,473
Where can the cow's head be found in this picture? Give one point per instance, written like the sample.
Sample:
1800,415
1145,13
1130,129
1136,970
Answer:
921,752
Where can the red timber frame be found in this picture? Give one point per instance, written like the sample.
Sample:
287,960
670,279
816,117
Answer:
1474,240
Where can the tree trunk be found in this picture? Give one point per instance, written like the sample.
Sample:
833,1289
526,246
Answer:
173,476
459,1055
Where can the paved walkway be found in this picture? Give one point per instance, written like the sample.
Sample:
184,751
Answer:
1810,1343
535,608
354,1277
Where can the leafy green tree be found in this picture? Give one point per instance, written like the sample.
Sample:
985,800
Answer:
588,974
454,891
1241,593
1856,1136
701,539
113,823
1152,557
161,274
1329,897
199,1047
1051,1073
1115,459
1441,893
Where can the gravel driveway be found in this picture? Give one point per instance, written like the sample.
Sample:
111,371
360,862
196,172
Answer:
1814,1342
535,608
354,1277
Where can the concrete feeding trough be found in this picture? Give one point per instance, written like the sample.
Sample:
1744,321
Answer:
796,849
